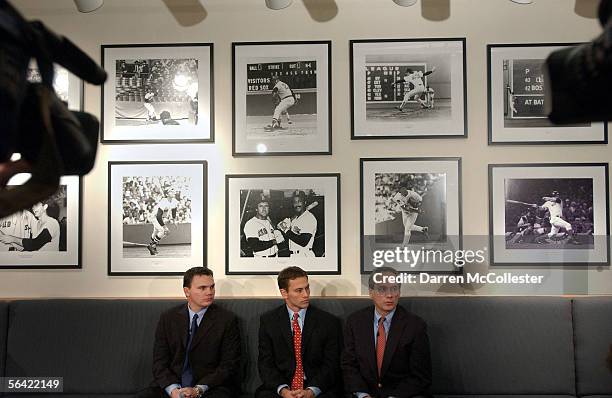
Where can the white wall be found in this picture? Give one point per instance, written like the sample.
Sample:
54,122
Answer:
149,21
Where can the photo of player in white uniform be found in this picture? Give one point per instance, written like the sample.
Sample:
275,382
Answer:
285,98
301,229
282,223
44,230
413,80
261,236
281,99
17,225
163,213
156,216
408,202
542,216
146,88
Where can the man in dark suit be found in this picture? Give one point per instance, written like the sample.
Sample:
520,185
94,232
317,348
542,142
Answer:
197,345
386,349
299,345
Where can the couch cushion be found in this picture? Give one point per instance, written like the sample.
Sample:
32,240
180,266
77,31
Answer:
592,338
97,346
499,345
504,396
3,331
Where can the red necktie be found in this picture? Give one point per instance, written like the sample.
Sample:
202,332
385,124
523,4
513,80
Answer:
298,377
381,340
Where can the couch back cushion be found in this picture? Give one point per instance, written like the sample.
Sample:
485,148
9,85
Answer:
3,332
593,337
499,345
97,346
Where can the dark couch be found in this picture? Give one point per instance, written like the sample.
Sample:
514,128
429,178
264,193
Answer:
481,346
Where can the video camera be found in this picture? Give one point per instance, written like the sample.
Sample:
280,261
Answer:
580,77
34,122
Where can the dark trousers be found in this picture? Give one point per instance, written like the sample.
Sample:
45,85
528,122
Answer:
156,392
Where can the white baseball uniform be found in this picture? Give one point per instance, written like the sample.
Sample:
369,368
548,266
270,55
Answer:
287,99
18,225
148,99
556,222
305,223
263,231
408,216
165,205
416,80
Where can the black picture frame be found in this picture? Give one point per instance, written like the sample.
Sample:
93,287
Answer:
451,168
530,126
198,221
70,191
530,252
305,53
320,185
379,110
201,132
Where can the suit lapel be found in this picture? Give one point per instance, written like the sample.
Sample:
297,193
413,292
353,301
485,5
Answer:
207,322
182,320
368,338
310,324
395,332
283,324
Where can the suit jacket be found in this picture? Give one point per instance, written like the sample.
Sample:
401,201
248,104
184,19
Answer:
214,353
406,367
321,346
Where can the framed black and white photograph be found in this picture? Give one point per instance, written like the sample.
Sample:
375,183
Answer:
158,93
47,235
549,214
282,98
157,217
67,86
277,220
517,95
408,88
412,204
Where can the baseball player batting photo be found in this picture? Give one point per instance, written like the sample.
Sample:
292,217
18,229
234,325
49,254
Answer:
555,213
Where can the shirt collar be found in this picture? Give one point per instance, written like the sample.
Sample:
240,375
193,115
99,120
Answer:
302,313
200,313
388,318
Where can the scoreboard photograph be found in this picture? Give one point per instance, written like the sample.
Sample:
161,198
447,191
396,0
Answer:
408,88
517,103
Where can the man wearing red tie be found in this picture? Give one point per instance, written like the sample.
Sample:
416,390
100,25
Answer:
386,348
299,345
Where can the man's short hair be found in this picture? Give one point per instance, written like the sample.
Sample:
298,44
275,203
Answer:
191,272
383,271
288,274
53,209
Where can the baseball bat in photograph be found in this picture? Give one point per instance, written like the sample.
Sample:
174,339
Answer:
312,205
518,202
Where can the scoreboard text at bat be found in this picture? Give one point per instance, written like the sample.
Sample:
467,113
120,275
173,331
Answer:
379,79
528,88
300,74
